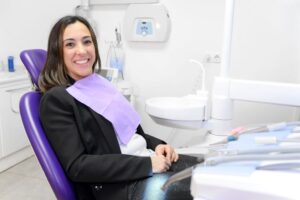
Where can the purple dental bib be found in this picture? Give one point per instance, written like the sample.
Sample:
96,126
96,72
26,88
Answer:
100,95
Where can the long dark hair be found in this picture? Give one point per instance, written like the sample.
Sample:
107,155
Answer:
54,72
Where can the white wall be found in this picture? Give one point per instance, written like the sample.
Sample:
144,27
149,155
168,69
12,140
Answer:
26,24
265,47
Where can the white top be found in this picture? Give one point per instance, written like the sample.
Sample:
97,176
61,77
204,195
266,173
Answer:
136,146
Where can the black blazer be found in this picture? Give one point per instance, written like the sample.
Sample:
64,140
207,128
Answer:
86,145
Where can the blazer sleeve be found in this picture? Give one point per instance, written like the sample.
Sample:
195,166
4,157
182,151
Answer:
57,116
151,141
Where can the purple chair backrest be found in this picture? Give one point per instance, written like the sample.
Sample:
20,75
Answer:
29,110
34,60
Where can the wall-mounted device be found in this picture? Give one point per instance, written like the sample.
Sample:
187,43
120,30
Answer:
147,23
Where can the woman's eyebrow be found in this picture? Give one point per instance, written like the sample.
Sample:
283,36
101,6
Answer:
72,39
85,37
68,39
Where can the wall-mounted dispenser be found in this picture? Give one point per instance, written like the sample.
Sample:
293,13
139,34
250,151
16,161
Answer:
147,23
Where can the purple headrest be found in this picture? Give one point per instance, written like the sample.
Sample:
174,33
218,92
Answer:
34,60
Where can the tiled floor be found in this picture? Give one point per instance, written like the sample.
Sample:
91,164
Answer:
25,181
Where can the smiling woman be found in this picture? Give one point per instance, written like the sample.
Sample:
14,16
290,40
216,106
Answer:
93,129
72,44
79,50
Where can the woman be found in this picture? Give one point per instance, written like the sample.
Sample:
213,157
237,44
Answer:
94,132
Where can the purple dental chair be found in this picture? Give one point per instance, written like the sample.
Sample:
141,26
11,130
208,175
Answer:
34,61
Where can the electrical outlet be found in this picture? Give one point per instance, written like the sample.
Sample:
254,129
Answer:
212,58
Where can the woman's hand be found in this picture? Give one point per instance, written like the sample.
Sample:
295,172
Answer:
160,163
167,151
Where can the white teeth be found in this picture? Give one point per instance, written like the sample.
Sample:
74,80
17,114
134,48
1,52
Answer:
81,61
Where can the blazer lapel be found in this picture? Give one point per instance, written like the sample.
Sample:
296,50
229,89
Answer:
108,132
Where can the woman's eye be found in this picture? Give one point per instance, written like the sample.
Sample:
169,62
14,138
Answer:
69,44
87,41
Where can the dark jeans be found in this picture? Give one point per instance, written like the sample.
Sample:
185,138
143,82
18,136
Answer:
150,188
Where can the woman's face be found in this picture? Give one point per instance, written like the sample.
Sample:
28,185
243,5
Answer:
78,50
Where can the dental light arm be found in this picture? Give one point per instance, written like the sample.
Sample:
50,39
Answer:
227,90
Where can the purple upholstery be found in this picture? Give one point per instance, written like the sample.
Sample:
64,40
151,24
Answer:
34,60
29,110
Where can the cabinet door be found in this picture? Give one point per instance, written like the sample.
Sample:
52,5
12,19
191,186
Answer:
14,137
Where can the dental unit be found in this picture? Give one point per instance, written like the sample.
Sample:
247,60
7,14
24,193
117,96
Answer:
231,168
192,111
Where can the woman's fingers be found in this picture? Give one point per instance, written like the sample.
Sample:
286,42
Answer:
167,151
175,157
160,163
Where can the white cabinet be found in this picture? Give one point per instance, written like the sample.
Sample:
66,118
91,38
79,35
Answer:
14,145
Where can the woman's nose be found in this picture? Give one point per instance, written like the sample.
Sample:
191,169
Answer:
81,49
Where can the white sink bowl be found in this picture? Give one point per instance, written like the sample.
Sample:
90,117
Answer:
180,112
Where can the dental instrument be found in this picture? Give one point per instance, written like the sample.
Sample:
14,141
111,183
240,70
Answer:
235,133
274,140
253,154
268,149
251,157
280,166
